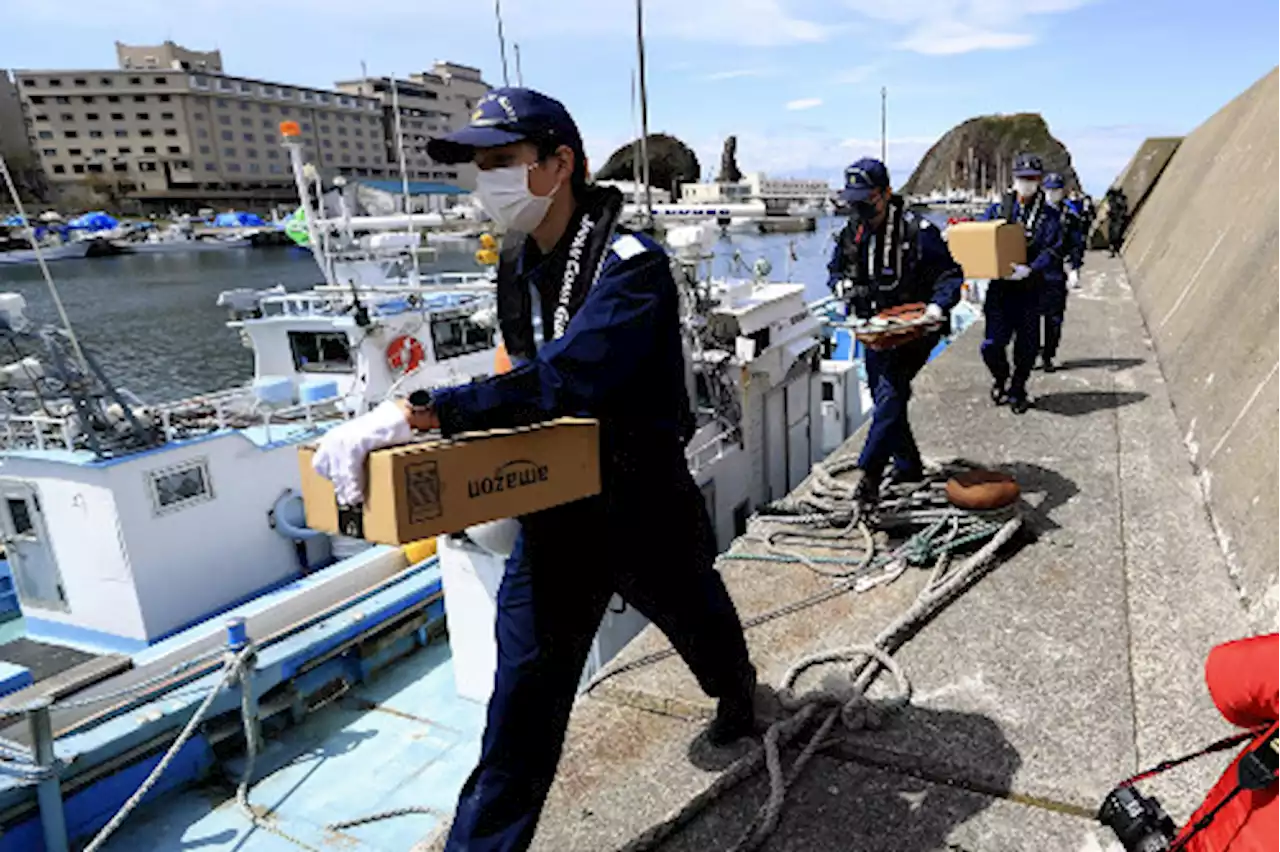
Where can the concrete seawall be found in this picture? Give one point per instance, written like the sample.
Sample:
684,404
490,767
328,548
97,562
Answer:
1137,180
1201,257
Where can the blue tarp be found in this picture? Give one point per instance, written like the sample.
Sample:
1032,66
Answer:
14,221
416,187
95,221
237,220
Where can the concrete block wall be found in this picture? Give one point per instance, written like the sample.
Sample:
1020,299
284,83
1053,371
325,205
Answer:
1202,258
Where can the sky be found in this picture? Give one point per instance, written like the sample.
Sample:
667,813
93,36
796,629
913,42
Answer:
798,81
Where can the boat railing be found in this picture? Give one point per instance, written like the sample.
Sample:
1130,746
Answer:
36,432
239,408
327,300
706,454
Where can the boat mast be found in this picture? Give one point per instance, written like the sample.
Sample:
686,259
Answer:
502,43
404,173
644,113
519,74
884,105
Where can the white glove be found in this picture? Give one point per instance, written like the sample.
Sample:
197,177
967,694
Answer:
1020,271
1073,279
933,312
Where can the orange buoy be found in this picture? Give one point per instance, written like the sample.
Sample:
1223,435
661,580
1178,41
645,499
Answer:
501,360
982,489
405,353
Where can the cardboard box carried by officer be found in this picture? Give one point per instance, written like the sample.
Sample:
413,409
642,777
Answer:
987,249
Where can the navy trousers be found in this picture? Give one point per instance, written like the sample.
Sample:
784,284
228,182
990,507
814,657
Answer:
1053,310
889,375
653,546
1013,314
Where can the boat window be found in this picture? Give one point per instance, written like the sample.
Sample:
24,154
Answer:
454,336
320,352
828,391
180,486
21,516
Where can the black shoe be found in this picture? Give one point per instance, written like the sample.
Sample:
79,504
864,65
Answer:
867,491
735,715
1049,366
905,477
998,394
1019,404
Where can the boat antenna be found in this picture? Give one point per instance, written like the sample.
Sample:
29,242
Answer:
635,148
44,267
502,44
884,138
644,112
519,73
404,173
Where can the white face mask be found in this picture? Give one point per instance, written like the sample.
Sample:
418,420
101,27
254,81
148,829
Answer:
504,194
1025,187
1055,196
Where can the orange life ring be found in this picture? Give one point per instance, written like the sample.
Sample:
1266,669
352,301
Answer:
405,353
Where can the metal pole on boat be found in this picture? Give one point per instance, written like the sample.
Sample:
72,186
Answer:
644,112
49,790
291,134
502,44
519,73
404,172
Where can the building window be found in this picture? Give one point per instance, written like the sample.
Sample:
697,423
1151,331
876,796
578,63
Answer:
94,168
264,108
62,99
198,116
36,99
88,99
169,131
244,106
139,99
124,149
55,82
325,143
273,154
95,134
254,168
166,116
202,133
121,134
175,149
251,153
181,164
66,116
205,149
210,167
269,138
233,167
146,132
91,116
45,134
135,81
343,144
346,158
284,110
306,126
143,116
74,152
80,81
246,121
71,134
59,170
149,149
224,119
117,116
99,152
227,136
49,152
180,486
228,152
146,167
274,168
164,99
120,167
160,81
113,99
222,102
199,81
78,169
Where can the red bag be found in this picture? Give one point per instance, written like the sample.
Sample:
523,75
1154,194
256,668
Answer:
1244,682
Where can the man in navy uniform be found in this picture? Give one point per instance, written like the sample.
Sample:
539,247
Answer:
1013,303
1053,292
888,256
612,350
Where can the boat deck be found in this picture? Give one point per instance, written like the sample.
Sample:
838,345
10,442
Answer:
1075,662
402,739
42,659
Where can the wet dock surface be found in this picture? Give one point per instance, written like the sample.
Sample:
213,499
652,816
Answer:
1074,663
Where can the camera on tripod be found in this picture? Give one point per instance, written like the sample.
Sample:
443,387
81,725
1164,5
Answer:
1139,821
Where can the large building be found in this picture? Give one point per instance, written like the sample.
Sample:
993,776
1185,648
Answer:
430,104
169,127
778,194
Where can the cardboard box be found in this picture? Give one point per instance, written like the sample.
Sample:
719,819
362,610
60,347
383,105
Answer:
425,489
987,249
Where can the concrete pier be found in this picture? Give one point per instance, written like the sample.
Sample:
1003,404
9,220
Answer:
1076,662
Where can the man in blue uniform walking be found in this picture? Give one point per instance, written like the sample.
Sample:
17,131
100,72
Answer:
887,256
1053,290
612,350
1012,306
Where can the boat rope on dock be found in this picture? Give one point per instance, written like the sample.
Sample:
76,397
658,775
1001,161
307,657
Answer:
826,515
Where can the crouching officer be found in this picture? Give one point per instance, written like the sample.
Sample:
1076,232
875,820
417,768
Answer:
887,256
1013,304
612,350
1053,290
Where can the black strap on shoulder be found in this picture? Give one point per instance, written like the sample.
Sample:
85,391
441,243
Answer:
1006,206
515,305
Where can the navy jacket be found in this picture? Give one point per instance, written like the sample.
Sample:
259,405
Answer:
929,273
1045,247
1073,234
620,360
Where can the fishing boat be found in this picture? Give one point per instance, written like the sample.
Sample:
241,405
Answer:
73,250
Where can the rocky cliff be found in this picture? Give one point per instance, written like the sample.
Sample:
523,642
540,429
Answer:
978,154
671,163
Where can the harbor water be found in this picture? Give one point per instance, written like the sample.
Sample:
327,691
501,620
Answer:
152,321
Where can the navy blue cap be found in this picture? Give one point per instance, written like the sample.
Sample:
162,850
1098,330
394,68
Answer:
504,116
1053,180
1027,165
862,178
